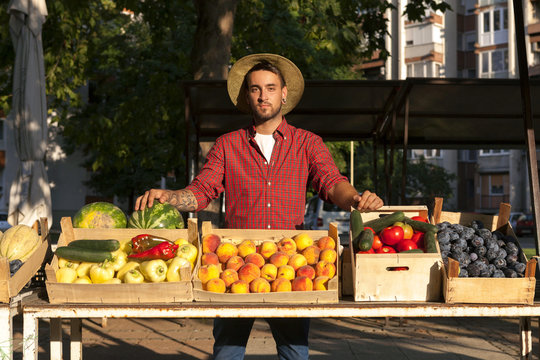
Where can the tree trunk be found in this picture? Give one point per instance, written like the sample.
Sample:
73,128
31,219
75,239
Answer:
212,46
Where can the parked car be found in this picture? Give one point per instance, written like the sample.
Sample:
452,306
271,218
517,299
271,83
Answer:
514,216
4,225
525,225
320,214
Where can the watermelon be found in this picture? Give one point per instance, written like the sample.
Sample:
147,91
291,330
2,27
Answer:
159,216
100,215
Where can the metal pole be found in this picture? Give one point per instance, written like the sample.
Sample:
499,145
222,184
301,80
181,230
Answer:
352,163
405,145
527,116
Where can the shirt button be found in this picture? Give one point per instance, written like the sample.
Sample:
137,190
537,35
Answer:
269,183
265,163
268,205
268,226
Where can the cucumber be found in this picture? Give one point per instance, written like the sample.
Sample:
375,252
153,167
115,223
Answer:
356,223
105,245
81,254
430,242
379,224
365,240
412,251
420,225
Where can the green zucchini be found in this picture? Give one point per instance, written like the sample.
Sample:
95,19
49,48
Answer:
81,254
412,251
430,242
379,224
365,240
105,245
356,223
420,225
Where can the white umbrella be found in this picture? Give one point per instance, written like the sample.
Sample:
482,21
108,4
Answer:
30,195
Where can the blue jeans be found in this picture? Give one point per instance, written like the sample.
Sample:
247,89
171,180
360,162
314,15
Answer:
231,337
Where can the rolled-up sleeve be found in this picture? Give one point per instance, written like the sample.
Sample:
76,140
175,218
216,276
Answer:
323,169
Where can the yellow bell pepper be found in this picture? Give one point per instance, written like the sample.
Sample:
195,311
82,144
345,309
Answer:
154,270
130,265
113,281
189,252
62,263
84,269
133,277
119,259
181,241
66,275
125,246
83,280
100,273
177,267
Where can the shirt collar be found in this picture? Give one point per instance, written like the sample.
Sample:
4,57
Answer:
283,130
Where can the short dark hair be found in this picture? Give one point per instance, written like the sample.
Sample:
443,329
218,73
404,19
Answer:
267,66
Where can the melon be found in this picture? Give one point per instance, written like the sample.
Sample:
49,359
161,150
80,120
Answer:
159,216
100,215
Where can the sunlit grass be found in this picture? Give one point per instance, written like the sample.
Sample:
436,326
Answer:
529,252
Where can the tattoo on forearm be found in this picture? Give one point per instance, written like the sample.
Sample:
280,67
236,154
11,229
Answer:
183,200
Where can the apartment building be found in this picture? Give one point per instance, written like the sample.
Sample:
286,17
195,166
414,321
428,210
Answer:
475,40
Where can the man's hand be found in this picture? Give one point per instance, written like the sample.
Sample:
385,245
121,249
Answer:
368,201
147,200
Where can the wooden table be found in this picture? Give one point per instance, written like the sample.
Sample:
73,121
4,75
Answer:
35,310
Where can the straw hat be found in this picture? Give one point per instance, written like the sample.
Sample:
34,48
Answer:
292,75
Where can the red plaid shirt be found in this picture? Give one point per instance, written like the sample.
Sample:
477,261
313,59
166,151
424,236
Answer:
262,195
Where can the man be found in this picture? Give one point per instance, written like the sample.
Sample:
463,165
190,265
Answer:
264,170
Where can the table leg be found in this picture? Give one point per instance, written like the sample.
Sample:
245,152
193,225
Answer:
30,337
6,334
56,338
76,339
525,335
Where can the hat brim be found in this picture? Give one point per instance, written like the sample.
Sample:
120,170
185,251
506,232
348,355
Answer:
292,75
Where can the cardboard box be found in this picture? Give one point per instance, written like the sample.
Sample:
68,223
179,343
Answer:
485,290
236,236
11,286
163,292
374,276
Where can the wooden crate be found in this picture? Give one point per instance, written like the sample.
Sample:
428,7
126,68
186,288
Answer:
485,290
163,292
11,286
373,275
236,236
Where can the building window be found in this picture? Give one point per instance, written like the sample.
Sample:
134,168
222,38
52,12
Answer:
426,154
467,155
494,63
493,152
487,17
496,184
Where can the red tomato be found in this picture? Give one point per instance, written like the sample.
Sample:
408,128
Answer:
367,227
385,249
399,268
392,235
419,218
405,245
370,251
377,243
418,238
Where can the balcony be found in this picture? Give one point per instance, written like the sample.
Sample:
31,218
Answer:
484,3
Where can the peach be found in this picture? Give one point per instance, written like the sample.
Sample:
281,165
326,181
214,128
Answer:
328,255
246,247
321,283
267,249
259,285
326,242
279,259
235,263
287,245
306,270
210,243
209,258
302,283
225,251
286,272
248,272
256,259
208,272
311,253
303,240
281,284
216,285
297,261
269,271
240,287
324,268
229,276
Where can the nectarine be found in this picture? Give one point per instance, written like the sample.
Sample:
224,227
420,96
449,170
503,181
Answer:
229,276
279,259
281,284
302,283
240,287
326,242
297,261
225,251
306,270
248,272
269,271
246,247
288,246
255,258
303,240
259,285
311,253
286,272
216,285
235,263
267,249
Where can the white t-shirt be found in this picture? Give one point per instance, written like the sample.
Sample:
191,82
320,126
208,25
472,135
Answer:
266,144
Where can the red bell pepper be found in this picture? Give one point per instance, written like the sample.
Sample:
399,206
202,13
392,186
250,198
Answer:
164,251
145,242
